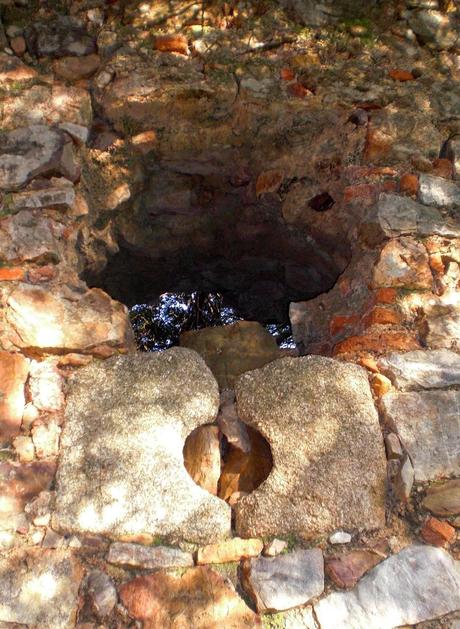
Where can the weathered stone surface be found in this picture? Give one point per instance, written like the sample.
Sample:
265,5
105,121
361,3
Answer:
419,583
45,319
340,537
101,592
231,350
13,69
14,369
202,457
346,570
29,236
403,263
274,548
40,588
230,424
148,557
46,386
434,28
438,192
279,583
444,498
28,152
60,37
403,216
404,480
423,369
301,618
76,68
124,474
329,464
452,152
200,598
231,550
59,197
428,424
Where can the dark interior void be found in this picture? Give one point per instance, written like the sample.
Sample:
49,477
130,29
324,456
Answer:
185,234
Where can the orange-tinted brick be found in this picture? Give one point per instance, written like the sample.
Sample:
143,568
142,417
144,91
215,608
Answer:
11,274
437,532
287,74
442,168
378,342
401,75
380,385
436,263
409,184
298,90
339,322
385,295
368,362
383,316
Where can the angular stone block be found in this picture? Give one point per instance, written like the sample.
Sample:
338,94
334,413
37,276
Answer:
329,465
14,369
423,369
121,470
428,424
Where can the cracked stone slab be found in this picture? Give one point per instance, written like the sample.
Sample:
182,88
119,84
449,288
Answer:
39,588
121,471
329,464
428,424
422,369
417,584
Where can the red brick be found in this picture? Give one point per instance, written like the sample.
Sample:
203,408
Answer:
41,274
409,184
383,316
287,74
378,342
401,75
339,322
386,295
437,532
11,274
172,43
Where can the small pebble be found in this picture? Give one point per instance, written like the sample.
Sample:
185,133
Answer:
340,537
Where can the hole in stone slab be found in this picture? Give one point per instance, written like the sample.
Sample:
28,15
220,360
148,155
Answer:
230,459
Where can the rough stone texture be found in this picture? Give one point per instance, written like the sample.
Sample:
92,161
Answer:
13,69
438,192
231,550
45,319
233,349
403,263
279,583
403,216
60,37
76,68
101,592
444,498
428,424
28,235
417,584
301,618
147,557
40,588
31,151
329,463
202,457
346,570
124,473
434,28
423,369
14,369
201,599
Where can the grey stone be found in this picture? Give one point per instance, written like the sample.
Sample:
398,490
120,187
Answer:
61,37
124,474
403,216
443,326
393,446
230,424
422,369
404,480
444,498
279,583
40,588
148,557
417,584
29,235
428,424
77,132
55,197
433,28
329,465
452,152
438,192
340,537
28,152
101,592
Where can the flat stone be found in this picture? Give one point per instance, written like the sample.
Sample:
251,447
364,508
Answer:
124,475
36,150
59,37
403,263
201,598
232,550
417,584
428,424
231,350
148,557
40,588
280,583
329,464
14,369
399,215
101,592
29,235
59,198
443,498
347,569
422,369
45,319
438,192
